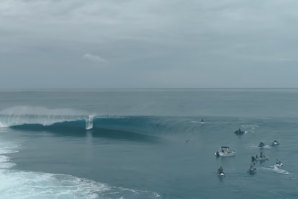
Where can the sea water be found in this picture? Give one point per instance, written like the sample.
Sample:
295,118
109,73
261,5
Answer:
146,143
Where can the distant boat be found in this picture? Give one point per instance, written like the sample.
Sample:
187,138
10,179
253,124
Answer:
239,132
202,121
252,170
261,144
275,143
225,151
220,171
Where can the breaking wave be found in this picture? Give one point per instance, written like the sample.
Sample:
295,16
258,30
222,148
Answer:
22,115
70,122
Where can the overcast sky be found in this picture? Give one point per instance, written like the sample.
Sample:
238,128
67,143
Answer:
148,43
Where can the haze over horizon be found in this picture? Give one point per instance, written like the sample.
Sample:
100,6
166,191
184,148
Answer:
148,44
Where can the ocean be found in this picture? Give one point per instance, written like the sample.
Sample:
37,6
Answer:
147,143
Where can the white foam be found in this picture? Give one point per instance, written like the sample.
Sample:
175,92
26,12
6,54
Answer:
249,128
89,122
34,185
275,169
17,184
6,148
3,125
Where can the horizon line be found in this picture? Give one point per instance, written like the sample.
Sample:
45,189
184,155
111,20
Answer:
150,88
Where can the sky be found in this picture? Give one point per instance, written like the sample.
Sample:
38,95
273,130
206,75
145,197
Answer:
148,44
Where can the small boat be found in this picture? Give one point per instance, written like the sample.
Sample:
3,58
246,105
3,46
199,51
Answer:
225,151
220,171
202,121
239,132
275,143
252,170
261,144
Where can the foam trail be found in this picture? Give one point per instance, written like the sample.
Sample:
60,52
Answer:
249,128
257,147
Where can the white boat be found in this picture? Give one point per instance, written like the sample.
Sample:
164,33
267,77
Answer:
225,151
275,143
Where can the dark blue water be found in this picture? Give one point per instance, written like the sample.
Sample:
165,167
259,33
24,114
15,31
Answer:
146,143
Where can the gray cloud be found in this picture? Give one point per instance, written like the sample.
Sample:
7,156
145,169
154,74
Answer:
149,43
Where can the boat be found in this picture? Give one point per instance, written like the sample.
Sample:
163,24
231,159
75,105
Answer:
220,171
261,144
239,132
275,143
202,121
225,151
252,170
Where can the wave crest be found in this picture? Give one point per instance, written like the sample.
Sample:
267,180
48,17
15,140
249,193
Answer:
20,115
